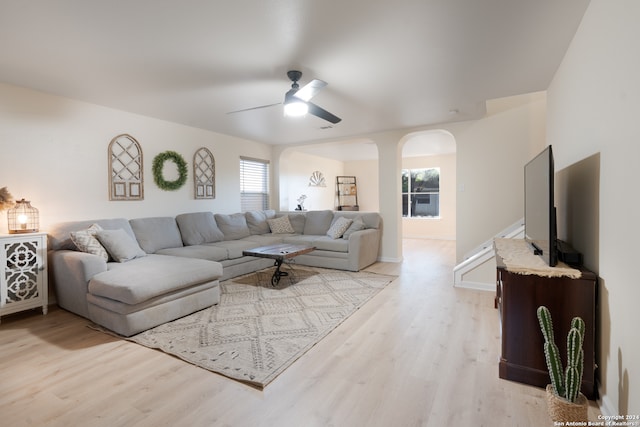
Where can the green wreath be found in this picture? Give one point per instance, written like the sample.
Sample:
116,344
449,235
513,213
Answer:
158,165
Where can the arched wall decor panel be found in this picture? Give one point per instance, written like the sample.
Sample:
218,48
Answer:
204,174
126,177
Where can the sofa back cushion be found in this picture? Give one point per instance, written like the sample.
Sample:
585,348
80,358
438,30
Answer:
156,233
318,222
199,227
257,221
59,236
234,226
297,221
370,219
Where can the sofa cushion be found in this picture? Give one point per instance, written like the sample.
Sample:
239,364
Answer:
204,251
338,227
233,226
280,225
321,243
120,245
85,241
297,221
318,222
59,234
356,225
156,233
198,227
370,219
257,221
234,248
152,276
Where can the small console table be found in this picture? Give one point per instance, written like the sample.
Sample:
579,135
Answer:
566,291
23,280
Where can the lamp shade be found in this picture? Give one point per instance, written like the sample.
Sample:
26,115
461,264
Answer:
294,107
23,218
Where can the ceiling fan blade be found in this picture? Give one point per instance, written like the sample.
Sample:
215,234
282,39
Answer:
309,90
254,108
322,113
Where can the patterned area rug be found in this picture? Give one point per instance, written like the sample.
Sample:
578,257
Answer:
257,331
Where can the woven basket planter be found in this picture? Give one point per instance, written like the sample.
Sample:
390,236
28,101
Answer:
561,410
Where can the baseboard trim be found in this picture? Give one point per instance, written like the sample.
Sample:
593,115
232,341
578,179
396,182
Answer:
606,405
478,286
388,259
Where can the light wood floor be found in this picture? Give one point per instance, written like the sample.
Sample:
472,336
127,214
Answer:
421,353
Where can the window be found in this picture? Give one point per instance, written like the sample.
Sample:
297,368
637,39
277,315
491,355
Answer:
421,192
254,184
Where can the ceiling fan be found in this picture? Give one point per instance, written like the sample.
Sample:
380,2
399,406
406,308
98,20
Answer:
296,100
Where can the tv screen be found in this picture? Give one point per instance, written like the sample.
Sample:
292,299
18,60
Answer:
539,208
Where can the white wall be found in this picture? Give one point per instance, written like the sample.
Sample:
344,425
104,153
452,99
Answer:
295,170
366,173
53,151
490,158
445,226
593,116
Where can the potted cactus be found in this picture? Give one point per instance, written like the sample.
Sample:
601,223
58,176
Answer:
565,402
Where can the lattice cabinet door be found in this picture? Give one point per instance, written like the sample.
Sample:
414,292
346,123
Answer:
23,283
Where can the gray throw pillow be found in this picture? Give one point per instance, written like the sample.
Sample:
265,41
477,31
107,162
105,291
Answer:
120,245
356,225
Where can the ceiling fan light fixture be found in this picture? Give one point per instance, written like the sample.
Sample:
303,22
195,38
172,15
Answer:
295,108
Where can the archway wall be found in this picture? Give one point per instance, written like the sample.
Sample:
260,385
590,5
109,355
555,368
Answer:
443,227
491,154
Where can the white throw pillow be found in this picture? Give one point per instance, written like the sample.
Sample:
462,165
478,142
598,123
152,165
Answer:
280,225
85,241
338,227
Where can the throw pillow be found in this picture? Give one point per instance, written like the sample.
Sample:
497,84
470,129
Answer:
120,245
338,227
86,241
280,225
356,225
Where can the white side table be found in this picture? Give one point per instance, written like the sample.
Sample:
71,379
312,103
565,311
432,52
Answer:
23,278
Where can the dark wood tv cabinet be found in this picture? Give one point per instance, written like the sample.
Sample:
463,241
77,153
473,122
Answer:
518,297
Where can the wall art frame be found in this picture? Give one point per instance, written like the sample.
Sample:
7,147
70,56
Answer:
204,174
126,173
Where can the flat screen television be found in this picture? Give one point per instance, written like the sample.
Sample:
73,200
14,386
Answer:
539,208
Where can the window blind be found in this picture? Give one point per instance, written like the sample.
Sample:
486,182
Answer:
254,184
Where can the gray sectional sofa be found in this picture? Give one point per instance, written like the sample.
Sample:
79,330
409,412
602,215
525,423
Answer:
132,275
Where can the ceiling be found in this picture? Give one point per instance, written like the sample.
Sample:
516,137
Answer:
389,65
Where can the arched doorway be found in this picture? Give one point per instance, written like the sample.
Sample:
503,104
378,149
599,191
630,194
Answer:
429,185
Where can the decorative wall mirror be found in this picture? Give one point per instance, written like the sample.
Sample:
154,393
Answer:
204,174
126,177
347,193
